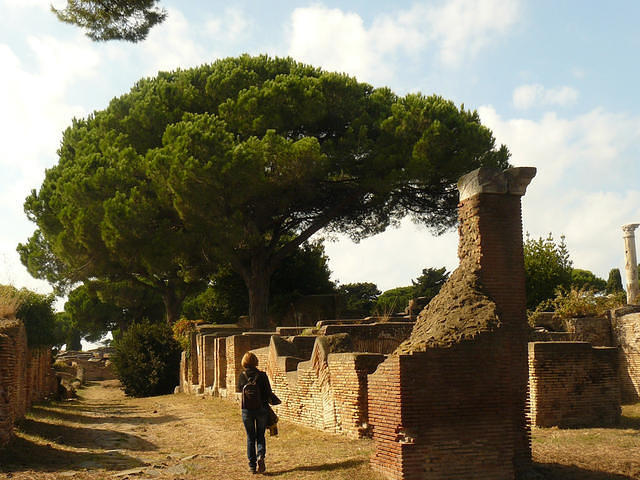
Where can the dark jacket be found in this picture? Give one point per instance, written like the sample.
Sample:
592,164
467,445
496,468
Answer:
262,382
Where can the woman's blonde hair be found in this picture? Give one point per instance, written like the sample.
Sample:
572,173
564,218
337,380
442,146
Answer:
249,360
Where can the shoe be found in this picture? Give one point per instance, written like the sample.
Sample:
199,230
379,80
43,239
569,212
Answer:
253,471
261,466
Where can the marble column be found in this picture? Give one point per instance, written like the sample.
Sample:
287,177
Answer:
631,265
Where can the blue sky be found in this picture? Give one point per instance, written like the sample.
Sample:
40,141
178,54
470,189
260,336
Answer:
555,80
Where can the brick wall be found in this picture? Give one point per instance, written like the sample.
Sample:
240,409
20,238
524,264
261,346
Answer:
327,391
626,328
26,376
573,385
434,417
237,346
374,338
451,402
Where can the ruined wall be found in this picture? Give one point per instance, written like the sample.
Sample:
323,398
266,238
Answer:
626,328
452,401
373,338
573,384
433,417
327,391
237,346
26,376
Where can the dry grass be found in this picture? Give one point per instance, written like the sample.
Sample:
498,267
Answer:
106,435
592,453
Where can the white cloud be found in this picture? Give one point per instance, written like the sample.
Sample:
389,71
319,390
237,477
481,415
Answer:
586,186
339,40
462,27
176,43
393,258
231,25
527,96
41,4
171,45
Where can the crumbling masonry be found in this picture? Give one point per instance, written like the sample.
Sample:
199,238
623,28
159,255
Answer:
26,376
451,402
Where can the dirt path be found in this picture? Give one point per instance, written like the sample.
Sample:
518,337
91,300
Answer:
104,434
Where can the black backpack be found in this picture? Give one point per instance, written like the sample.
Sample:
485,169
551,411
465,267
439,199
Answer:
251,396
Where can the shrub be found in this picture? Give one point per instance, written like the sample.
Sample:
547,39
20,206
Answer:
147,359
182,331
394,300
578,303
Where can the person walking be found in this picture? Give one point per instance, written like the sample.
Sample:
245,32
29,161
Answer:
255,393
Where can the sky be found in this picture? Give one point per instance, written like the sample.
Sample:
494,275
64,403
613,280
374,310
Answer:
556,81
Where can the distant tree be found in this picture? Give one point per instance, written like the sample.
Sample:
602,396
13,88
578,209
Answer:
587,280
102,20
429,283
547,266
614,282
394,300
67,333
359,298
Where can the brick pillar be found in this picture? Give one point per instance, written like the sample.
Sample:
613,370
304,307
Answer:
451,403
490,229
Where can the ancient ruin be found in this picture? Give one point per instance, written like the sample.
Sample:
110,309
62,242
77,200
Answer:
453,393
26,376
631,263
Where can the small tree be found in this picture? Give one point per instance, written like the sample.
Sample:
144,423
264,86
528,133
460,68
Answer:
430,282
394,300
360,298
587,280
547,266
147,359
614,282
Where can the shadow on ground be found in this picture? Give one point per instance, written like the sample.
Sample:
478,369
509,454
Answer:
63,413
323,467
22,454
79,437
546,471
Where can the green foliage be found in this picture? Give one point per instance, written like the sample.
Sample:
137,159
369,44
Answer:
240,162
147,359
36,312
67,332
102,20
614,282
96,308
429,283
182,331
359,298
587,280
547,266
394,300
305,272
579,302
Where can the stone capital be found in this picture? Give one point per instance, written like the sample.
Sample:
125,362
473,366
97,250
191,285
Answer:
629,229
512,181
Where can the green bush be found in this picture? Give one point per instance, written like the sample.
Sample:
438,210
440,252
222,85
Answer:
577,302
147,359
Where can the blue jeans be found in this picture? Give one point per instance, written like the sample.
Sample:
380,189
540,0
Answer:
255,423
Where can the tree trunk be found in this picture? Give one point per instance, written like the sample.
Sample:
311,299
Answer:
258,281
171,305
